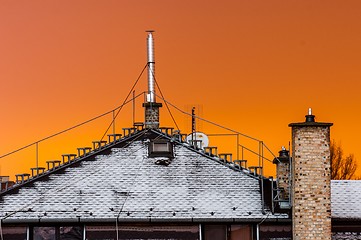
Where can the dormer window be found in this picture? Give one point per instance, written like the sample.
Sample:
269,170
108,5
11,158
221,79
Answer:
160,148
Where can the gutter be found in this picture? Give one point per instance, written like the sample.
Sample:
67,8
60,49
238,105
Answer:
147,220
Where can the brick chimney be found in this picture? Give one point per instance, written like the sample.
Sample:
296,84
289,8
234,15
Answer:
151,114
283,172
311,179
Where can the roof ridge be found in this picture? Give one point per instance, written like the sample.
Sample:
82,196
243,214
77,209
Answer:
216,159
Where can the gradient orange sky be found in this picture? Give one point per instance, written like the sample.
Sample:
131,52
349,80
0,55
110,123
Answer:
253,66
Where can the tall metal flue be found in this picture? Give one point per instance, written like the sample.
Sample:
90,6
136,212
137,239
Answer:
151,67
151,106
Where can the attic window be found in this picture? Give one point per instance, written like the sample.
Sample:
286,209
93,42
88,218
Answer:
160,148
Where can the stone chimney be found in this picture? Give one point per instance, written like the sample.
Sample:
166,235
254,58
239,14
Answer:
311,179
283,172
151,114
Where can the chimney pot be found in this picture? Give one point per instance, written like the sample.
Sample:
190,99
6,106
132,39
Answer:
283,153
309,116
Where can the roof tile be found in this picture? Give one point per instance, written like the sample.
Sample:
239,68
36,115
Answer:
128,184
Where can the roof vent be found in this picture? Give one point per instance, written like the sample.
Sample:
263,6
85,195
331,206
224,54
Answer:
5,183
178,136
165,161
4,179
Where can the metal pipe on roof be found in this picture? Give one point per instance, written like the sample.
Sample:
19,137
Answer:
200,231
27,233
151,67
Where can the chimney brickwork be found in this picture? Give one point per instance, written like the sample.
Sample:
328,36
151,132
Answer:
152,114
311,191
283,173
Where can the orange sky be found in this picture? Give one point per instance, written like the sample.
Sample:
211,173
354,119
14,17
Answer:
253,66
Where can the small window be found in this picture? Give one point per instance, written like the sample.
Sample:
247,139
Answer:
159,232
243,232
268,232
100,232
44,233
161,148
58,233
136,232
71,232
14,233
212,232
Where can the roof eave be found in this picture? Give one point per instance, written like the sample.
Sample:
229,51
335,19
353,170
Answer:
282,219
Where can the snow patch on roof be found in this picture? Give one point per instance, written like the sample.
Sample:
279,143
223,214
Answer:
345,199
128,184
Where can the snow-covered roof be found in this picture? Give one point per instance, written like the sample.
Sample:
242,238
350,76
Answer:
128,185
345,199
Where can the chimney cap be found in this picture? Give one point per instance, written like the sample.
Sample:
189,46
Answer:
310,117
283,156
310,121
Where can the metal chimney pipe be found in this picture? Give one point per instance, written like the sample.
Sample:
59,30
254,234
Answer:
151,106
151,70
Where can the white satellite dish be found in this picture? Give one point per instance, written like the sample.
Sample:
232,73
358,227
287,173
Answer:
198,136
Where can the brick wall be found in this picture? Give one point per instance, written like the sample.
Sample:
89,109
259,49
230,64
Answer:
283,173
311,200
